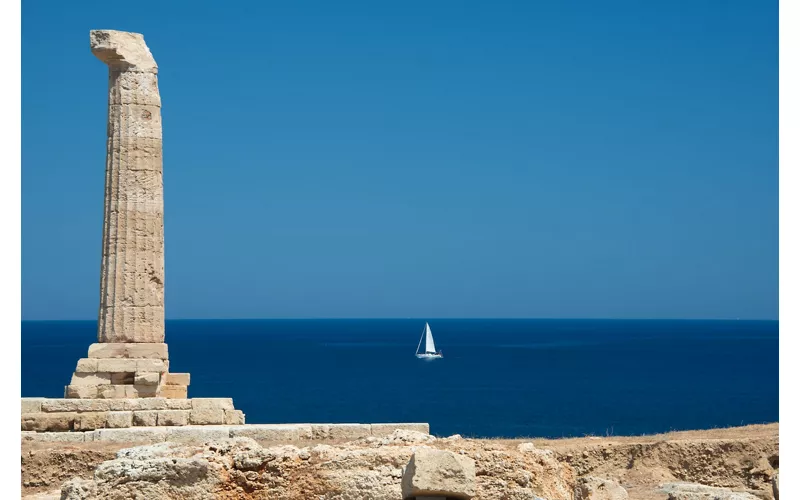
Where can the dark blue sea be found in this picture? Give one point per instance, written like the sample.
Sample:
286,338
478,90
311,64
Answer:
498,378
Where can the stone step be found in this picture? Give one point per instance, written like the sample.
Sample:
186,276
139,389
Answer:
52,405
120,365
41,415
143,350
201,433
111,391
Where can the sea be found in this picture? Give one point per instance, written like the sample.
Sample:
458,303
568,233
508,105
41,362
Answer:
498,377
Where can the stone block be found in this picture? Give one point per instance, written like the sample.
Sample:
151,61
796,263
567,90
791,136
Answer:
192,434
86,365
82,405
147,404
173,417
178,404
207,416
147,378
42,422
212,404
130,391
151,365
117,365
112,391
119,419
234,417
32,405
273,432
54,437
142,350
174,391
159,403
149,350
340,431
382,430
145,418
81,391
177,379
142,391
123,378
107,350
439,473
90,421
94,379
131,435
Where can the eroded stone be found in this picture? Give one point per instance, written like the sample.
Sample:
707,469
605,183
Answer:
174,391
177,379
147,378
439,473
341,431
131,435
234,417
145,418
32,405
41,422
119,419
274,432
90,421
173,417
207,416
382,430
86,365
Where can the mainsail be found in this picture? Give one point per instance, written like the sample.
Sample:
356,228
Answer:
429,345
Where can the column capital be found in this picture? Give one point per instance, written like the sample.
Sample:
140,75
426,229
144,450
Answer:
122,50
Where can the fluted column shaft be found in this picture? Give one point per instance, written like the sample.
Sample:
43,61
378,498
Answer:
132,271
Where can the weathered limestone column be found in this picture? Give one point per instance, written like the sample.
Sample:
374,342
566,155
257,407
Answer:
132,271
130,358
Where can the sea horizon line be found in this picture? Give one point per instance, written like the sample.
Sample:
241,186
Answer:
420,318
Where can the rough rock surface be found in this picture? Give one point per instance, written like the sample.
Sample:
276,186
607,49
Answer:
740,459
369,468
78,489
432,472
691,491
743,459
595,488
46,467
775,486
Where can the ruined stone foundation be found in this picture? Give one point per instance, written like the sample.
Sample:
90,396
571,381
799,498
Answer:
117,370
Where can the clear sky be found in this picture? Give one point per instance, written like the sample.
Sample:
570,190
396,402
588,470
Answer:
421,159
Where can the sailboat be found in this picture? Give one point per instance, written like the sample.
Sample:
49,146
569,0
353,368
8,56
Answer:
430,347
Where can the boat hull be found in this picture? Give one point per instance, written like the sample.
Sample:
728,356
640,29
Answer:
426,355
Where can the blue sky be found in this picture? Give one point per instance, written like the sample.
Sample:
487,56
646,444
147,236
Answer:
421,159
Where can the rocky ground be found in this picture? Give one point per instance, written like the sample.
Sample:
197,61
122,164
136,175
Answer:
736,463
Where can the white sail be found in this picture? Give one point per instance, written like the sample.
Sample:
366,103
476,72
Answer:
429,345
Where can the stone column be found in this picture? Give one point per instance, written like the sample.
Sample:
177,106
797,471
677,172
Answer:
132,271
130,359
